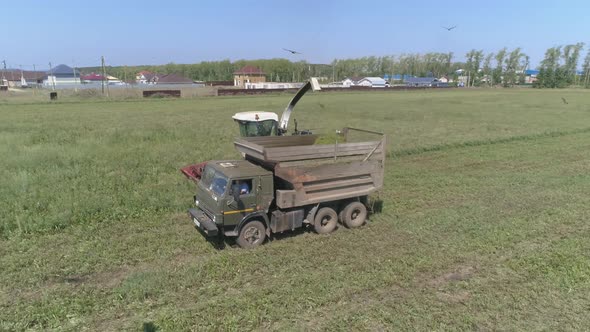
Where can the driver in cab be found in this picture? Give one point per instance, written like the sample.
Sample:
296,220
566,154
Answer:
240,187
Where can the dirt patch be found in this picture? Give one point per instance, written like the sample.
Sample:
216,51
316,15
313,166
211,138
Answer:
461,273
109,279
459,297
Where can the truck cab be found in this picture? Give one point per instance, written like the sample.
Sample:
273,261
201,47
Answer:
229,194
254,124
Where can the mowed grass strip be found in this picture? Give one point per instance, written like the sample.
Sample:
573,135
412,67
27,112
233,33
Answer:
471,237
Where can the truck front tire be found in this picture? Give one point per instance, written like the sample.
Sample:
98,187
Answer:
325,220
354,215
251,235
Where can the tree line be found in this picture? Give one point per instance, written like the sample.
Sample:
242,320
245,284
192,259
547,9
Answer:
559,67
504,67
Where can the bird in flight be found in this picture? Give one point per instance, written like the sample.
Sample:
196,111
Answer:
450,28
291,51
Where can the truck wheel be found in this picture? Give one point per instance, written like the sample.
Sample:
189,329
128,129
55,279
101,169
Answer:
354,214
251,235
325,220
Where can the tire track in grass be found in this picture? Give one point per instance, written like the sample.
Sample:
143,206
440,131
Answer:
475,143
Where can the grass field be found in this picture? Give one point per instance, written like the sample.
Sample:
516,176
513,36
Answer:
484,225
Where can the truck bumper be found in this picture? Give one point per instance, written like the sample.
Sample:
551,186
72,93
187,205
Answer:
203,222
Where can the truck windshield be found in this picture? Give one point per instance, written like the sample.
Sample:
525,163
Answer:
214,181
258,128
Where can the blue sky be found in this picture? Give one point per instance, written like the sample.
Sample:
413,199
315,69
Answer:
77,32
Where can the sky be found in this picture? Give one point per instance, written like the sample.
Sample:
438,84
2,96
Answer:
78,33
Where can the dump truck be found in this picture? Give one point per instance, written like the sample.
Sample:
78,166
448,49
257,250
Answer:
287,182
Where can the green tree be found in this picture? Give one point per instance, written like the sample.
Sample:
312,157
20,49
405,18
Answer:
549,71
571,56
487,68
499,70
513,67
586,70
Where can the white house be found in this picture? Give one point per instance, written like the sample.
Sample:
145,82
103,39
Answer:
350,81
374,82
62,75
144,77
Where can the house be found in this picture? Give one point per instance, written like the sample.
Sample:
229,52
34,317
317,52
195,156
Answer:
112,80
424,82
351,81
530,76
94,78
168,79
396,77
248,74
13,78
373,82
62,75
445,79
144,76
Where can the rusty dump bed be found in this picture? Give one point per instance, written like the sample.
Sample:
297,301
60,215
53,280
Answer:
318,173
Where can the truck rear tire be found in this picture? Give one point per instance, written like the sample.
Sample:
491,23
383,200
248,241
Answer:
251,235
325,220
354,214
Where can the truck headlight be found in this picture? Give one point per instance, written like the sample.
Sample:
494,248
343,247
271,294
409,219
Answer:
196,202
214,218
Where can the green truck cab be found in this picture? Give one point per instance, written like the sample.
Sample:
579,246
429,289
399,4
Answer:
230,194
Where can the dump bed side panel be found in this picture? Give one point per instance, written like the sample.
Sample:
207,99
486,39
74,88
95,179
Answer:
327,151
318,173
328,182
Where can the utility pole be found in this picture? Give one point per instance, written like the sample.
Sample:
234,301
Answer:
392,70
36,83
3,70
52,77
22,75
74,70
103,72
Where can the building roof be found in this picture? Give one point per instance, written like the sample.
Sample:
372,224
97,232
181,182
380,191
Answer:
62,70
531,72
421,80
148,76
396,76
170,79
238,168
145,72
92,77
29,75
255,116
249,70
354,78
374,80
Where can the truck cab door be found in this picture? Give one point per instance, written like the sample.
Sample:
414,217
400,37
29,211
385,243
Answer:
241,201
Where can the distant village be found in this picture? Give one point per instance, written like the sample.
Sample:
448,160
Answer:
248,77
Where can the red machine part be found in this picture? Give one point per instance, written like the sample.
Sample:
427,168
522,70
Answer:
194,172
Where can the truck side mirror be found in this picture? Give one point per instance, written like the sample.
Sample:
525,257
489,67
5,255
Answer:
230,199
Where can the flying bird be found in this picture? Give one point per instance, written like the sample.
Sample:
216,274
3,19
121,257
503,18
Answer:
564,101
449,28
291,51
